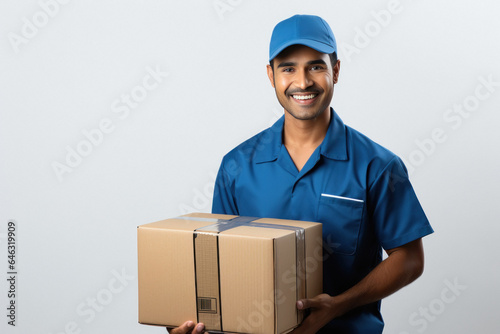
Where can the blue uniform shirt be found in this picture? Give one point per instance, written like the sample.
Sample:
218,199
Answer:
359,190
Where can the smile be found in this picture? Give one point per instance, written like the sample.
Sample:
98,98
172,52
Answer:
304,97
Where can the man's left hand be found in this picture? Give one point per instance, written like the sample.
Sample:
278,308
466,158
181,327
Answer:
323,310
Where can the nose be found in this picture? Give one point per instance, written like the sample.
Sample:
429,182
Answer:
303,79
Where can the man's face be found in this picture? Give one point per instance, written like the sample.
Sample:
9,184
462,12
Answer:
303,79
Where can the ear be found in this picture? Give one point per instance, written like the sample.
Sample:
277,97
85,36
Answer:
336,71
270,75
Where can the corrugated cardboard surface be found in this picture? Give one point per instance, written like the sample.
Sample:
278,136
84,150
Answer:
245,276
165,261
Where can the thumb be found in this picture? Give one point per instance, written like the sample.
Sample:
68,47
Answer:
305,304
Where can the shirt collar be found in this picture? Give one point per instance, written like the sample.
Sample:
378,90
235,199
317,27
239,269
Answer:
334,145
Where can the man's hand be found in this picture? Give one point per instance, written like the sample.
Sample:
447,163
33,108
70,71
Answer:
188,327
323,309
403,265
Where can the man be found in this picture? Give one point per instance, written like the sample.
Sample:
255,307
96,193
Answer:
310,166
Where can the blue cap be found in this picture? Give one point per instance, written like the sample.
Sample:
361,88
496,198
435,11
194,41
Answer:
308,30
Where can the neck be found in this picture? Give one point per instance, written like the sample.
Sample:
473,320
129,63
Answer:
305,133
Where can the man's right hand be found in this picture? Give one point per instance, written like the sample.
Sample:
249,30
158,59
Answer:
188,327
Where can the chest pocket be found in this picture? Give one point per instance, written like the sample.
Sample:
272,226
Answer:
341,218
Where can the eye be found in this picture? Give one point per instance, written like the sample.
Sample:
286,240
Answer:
317,68
288,69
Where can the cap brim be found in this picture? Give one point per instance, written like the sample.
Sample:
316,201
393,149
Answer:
318,46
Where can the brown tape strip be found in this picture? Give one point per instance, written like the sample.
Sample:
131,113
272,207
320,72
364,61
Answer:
206,252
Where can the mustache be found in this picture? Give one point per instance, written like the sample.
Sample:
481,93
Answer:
298,91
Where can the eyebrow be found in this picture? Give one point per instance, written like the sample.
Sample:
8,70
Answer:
312,62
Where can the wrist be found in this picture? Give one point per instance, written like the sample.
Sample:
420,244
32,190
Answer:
341,304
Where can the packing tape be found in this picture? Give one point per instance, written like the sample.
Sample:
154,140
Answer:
207,268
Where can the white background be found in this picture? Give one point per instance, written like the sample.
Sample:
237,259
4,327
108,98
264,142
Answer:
398,82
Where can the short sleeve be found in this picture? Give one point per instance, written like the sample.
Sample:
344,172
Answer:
395,211
223,201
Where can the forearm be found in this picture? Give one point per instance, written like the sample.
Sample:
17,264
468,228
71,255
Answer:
400,268
403,265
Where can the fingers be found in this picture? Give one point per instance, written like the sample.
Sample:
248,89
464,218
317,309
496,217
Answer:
316,302
182,329
308,303
305,304
199,328
188,327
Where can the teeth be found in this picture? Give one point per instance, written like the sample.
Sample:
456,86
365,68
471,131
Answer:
304,97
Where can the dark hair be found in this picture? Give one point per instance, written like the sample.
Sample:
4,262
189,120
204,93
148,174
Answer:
333,60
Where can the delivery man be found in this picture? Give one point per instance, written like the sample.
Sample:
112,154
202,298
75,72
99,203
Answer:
311,166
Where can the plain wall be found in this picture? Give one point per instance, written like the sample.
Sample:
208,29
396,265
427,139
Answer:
422,78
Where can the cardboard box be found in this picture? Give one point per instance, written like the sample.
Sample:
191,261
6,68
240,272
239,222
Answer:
235,274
